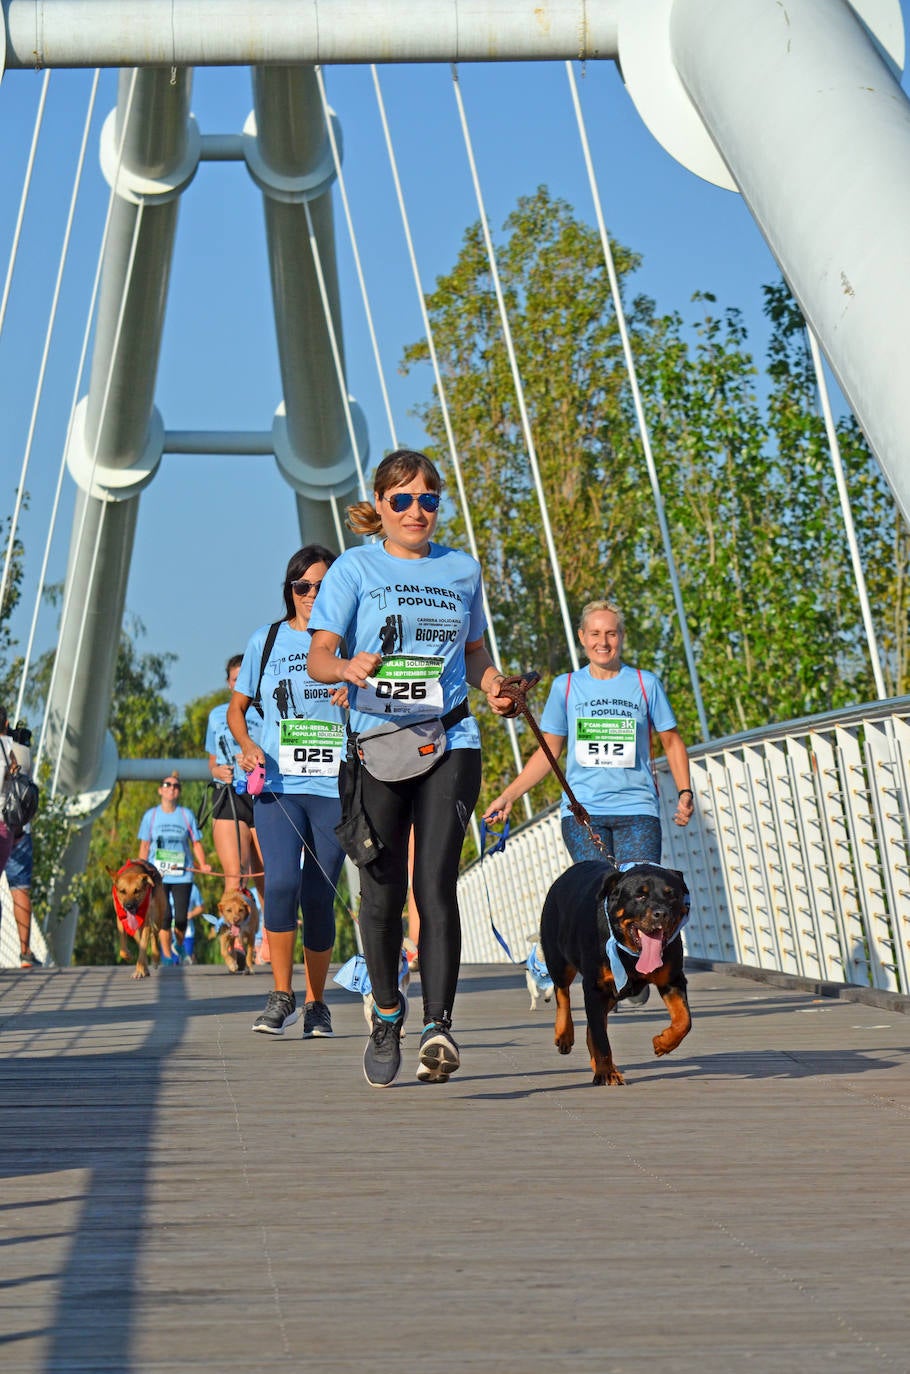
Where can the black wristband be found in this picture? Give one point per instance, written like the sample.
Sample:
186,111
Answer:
687,792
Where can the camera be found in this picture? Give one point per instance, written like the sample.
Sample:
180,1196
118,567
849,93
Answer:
18,733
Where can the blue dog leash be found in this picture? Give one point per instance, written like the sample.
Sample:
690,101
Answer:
500,837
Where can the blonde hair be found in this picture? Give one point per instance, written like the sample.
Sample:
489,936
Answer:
594,606
394,470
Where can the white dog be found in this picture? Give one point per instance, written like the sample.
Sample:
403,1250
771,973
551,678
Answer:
537,977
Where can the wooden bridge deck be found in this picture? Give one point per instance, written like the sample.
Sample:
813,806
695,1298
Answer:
178,1194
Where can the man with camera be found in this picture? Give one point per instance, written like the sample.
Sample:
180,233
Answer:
18,798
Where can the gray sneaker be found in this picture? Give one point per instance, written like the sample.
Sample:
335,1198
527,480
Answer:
638,999
317,1020
382,1056
438,1054
280,1011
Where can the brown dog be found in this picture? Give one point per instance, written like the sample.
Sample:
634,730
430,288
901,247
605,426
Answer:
239,910
141,904
620,931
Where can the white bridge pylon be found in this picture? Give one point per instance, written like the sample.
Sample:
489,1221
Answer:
798,107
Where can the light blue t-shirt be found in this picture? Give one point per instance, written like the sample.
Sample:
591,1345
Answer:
301,734
418,613
220,743
605,725
170,836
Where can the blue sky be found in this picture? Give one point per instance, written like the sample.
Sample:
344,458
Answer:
214,534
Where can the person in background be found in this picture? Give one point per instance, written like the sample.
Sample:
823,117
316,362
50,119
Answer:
233,830
16,851
410,613
169,838
298,807
607,712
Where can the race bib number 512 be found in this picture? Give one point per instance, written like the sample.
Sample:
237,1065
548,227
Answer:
605,743
404,685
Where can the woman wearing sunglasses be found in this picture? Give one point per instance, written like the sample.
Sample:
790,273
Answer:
300,729
412,612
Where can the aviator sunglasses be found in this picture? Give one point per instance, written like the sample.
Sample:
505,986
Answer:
303,588
403,500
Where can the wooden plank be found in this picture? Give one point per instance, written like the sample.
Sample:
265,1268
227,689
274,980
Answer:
180,1194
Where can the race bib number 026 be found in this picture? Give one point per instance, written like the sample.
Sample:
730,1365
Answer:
605,743
404,685
310,748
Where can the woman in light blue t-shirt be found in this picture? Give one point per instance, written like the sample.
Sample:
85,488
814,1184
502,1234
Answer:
299,743
607,712
409,613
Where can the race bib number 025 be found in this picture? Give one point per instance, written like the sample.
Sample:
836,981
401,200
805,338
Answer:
310,748
605,743
404,685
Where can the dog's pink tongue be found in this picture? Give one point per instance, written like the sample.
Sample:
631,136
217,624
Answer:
652,953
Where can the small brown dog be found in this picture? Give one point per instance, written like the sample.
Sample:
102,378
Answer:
239,910
141,904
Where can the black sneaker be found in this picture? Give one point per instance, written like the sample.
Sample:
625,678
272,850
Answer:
317,1020
280,1011
382,1056
438,1054
638,999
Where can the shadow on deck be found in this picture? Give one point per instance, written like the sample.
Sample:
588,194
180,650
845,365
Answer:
179,1194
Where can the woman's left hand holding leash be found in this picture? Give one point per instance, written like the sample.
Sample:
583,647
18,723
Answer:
685,807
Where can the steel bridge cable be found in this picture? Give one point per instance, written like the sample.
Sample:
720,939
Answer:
643,430
336,517
23,199
336,350
516,378
80,534
846,511
51,322
342,189
7,288
55,505
447,421
103,504
73,406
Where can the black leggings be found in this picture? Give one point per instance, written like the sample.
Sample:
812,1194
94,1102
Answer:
439,806
179,894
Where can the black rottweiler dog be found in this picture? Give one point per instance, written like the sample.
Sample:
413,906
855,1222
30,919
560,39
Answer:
643,910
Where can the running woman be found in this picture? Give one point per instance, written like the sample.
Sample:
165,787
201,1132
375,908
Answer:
411,611
298,807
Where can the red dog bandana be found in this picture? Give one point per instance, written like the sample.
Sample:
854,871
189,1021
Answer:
132,924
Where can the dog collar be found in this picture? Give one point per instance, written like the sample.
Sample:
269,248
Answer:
613,948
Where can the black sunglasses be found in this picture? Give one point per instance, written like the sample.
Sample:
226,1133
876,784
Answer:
175,785
403,500
303,588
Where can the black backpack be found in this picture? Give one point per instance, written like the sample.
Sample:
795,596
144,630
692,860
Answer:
20,797
20,802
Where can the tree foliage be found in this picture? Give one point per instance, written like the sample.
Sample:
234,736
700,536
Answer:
742,463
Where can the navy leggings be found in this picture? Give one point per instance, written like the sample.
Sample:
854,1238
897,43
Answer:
285,821
439,805
629,839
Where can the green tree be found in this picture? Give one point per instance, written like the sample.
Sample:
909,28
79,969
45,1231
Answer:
743,465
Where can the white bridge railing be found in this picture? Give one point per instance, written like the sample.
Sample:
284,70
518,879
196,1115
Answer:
797,858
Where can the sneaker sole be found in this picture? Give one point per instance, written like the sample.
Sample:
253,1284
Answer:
277,1030
438,1061
318,1034
404,1017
